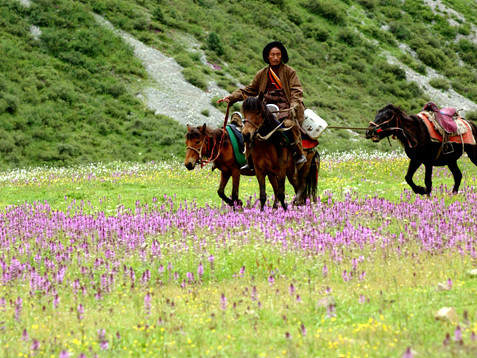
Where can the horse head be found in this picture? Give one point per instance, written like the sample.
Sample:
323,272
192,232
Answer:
385,119
256,116
195,142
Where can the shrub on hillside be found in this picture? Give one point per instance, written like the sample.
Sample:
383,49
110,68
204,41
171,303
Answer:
468,52
432,58
349,36
330,10
471,116
440,83
9,103
195,77
214,43
399,30
315,31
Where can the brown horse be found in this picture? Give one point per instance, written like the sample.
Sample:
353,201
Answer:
412,132
272,157
204,142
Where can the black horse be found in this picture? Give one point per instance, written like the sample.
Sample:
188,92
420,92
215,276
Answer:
412,132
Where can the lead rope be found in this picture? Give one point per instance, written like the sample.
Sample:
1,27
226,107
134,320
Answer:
221,139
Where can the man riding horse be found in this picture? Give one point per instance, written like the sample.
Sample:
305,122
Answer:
280,85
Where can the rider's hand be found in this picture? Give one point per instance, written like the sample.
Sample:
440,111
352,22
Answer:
292,112
225,99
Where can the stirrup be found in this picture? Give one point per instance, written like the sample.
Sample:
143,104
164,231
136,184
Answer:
300,160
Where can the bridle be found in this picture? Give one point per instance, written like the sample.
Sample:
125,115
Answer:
258,126
395,130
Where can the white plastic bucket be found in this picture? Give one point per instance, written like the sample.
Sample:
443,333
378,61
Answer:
273,108
313,124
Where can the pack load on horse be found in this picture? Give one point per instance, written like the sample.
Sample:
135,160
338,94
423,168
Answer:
222,147
426,140
278,85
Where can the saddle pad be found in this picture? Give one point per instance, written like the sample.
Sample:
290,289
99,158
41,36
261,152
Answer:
236,139
307,142
460,127
437,137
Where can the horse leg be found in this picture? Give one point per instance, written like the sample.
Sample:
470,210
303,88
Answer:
235,188
413,166
261,183
454,168
302,177
428,179
278,185
224,179
471,151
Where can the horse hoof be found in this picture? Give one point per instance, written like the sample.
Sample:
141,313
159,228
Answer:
421,190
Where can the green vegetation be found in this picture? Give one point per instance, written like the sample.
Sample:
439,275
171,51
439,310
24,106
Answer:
142,260
69,97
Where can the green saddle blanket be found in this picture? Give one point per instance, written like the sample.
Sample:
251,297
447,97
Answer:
239,156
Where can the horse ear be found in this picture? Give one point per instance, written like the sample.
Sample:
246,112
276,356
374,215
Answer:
260,96
188,128
203,128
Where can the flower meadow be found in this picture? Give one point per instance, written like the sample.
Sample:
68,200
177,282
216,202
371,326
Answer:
143,260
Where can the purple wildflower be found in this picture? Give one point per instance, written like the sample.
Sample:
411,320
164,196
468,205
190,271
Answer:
200,270
449,283
458,335
35,345
254,293
223,302
291,289
408,353
80,311
325,271
303,330
147,304
473,336
104,345
18,308
64,354
287,335
298,298
56,301
25,336
271,280
242,271
362,299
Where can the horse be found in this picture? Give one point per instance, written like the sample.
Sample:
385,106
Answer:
204,142
273,158
414,136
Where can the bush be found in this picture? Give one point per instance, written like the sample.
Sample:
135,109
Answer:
195,77
440,83
471,116
315,31
349,36
331,11
9,104
214,43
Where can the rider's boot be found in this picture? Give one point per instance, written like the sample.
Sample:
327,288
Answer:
298,154
248,168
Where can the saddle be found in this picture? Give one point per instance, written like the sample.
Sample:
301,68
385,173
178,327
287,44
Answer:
445,117
306,142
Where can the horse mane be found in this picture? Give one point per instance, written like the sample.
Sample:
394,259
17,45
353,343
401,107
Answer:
196,132
394,109
255,105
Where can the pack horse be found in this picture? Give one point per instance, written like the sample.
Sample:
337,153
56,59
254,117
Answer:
431,138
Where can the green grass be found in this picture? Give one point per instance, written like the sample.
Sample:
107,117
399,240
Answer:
390,309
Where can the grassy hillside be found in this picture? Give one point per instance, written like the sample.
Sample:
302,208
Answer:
69,97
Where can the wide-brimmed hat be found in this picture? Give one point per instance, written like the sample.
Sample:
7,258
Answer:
279,45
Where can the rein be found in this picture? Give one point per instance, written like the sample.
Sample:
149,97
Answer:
257,127
204,162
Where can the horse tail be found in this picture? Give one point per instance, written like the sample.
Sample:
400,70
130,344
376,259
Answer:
472,150
312,178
